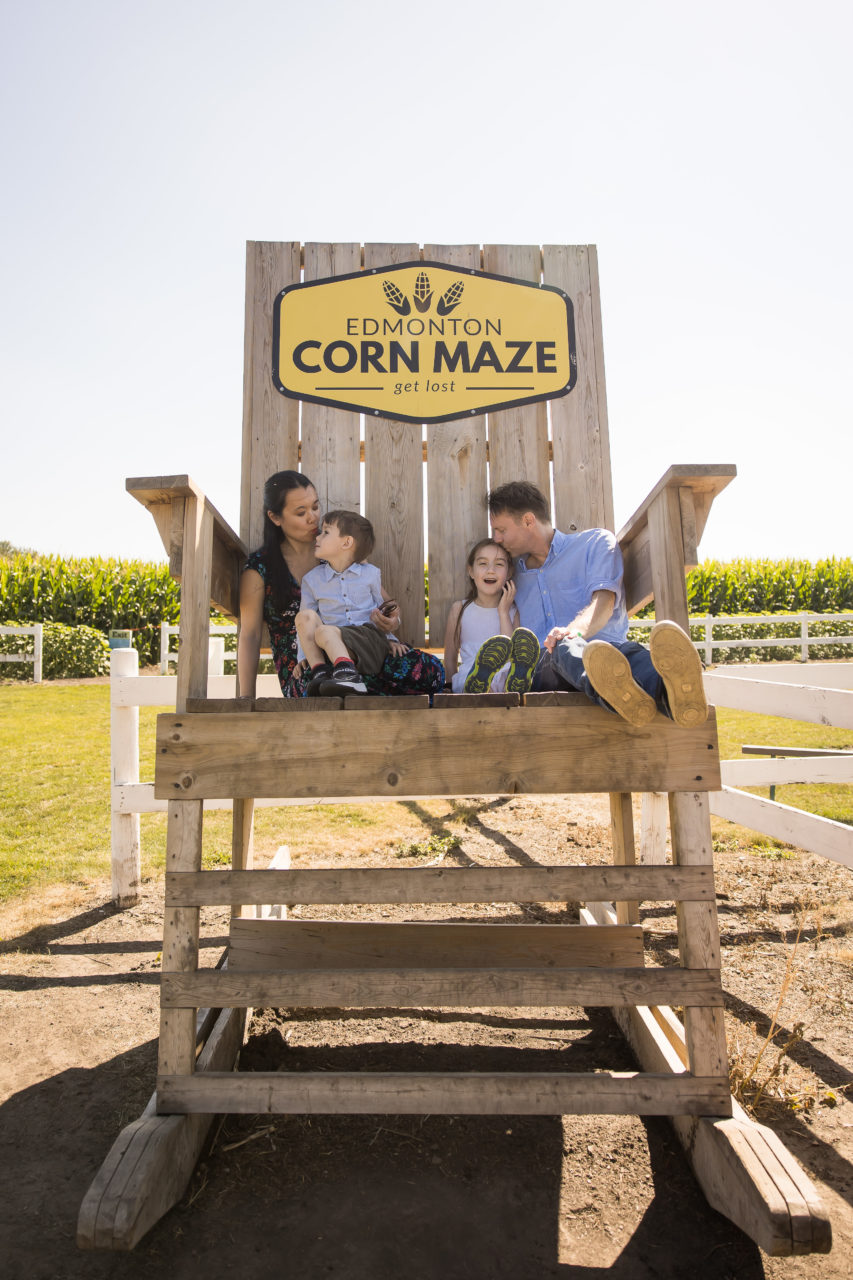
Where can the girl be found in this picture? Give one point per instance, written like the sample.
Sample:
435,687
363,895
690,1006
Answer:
482,634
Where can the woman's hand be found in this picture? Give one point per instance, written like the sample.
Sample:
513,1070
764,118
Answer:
396,648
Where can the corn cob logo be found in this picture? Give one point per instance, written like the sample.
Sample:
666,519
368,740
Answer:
423,294
450,298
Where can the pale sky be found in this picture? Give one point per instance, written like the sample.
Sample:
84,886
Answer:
705,150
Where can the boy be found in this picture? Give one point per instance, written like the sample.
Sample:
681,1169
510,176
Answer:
334,626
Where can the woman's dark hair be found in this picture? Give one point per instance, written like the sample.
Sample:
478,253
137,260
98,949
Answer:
472,586
276,490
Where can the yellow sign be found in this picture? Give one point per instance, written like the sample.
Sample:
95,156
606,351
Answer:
423,342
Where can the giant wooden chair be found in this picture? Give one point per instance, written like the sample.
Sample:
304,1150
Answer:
548,743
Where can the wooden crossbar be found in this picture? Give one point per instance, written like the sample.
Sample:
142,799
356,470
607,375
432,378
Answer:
445,1093
323,944
326,886
542,750
450,988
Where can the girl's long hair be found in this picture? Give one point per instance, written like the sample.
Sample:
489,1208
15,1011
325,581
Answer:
279,577
472,586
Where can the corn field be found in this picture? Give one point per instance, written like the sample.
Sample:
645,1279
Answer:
95,592
109,594
771,586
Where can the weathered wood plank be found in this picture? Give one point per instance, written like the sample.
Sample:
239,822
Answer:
518,437
624,854
445,1093
393,488
450,988
151,1161
270,420
320,944
456,484
461,701
327,886
583,490
704,482
195,602
380,753
330,438
180,936
698,932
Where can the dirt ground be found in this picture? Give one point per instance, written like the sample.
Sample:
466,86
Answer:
466,1197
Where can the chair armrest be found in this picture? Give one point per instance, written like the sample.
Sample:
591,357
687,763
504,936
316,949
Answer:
672,517
165,497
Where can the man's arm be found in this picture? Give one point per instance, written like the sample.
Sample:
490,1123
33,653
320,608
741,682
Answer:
588,622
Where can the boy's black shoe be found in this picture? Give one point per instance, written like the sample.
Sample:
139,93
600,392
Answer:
345,681
321,672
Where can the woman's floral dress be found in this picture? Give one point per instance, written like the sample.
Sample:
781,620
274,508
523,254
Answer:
412,672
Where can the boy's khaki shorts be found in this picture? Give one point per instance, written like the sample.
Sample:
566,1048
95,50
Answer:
367,645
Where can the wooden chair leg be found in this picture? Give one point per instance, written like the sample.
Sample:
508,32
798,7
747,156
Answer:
243,845
180,937
698,932
624,852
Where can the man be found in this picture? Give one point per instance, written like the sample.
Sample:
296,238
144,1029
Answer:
569,592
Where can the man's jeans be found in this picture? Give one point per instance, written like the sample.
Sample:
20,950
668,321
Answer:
564,669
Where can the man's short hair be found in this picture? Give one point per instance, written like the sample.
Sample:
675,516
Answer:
516,498
350,524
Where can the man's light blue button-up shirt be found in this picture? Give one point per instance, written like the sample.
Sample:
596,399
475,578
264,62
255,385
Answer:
577,564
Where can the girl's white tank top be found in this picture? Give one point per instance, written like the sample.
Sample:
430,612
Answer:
478,624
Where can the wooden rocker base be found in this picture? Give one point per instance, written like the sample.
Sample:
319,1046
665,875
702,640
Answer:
152,1160
744,1170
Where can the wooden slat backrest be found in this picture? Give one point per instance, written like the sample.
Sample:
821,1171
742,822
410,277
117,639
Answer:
465,457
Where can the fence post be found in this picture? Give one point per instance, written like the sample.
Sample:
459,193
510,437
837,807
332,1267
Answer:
709,645
124,767
164,648
38,650
804,637
216,656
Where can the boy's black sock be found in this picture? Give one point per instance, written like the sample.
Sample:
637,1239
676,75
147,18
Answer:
343,664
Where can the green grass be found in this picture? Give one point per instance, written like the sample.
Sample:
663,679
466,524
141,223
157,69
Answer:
55,798
737,728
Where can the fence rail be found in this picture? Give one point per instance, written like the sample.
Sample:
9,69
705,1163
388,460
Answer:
36,631
804,641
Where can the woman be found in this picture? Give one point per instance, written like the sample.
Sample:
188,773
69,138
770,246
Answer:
270,593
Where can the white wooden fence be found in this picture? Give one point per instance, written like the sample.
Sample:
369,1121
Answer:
168,654
805,641
36,631
821,693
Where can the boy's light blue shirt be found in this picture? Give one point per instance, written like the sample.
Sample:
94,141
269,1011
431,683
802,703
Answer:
577,564
344,599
